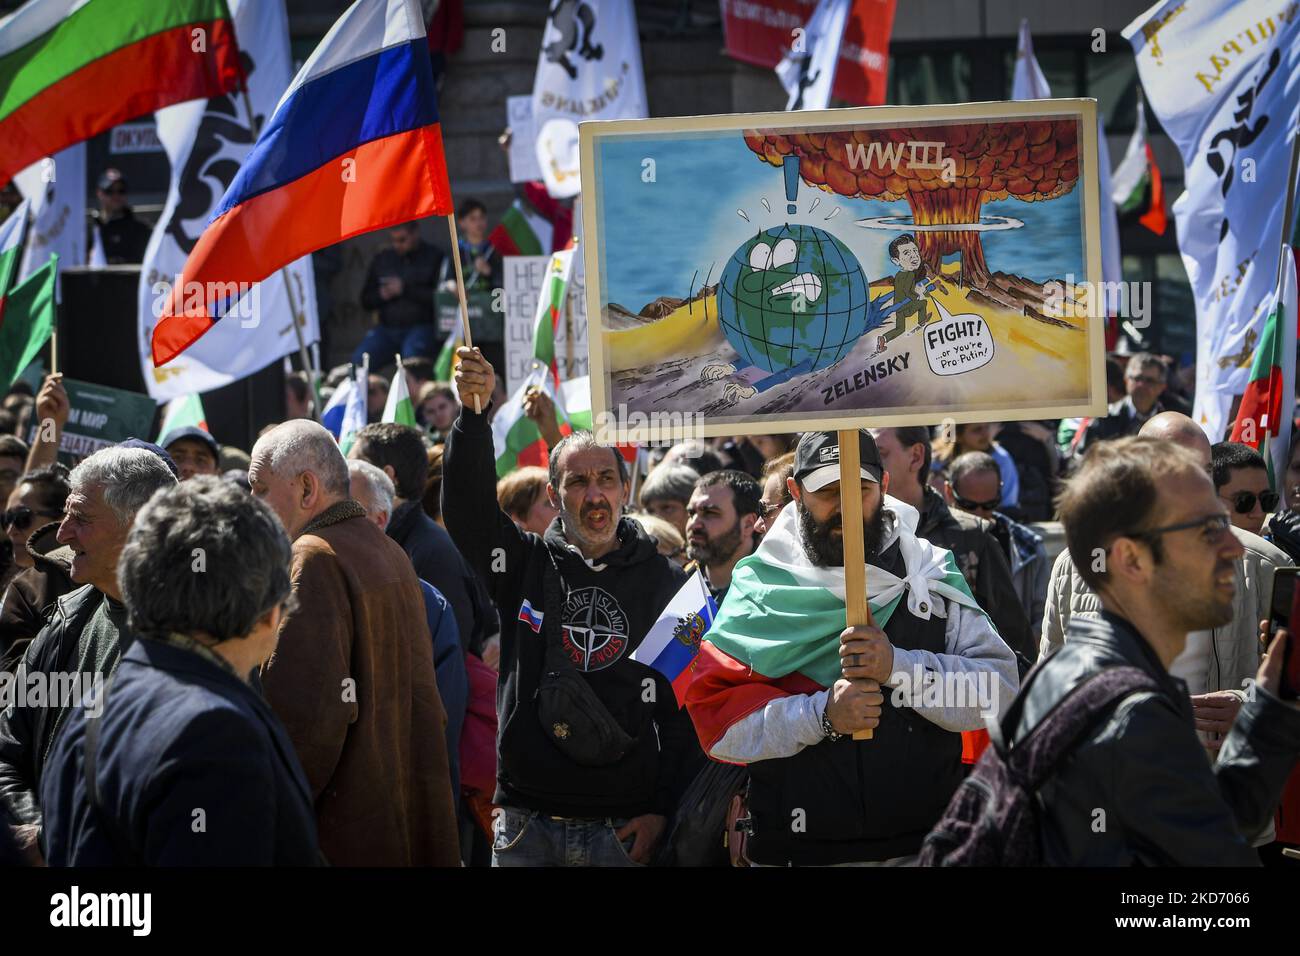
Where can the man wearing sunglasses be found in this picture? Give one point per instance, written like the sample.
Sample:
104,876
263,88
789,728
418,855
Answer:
1241,482
122,237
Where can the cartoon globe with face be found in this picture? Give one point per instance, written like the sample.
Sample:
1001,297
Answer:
792,296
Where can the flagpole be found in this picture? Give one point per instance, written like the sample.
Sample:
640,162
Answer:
1288,216
460,290
312,373
856,609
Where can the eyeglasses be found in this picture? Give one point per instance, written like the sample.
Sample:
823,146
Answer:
1146,380
21,517
966,504
1243,502
1212,528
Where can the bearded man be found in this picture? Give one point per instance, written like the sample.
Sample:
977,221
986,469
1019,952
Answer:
781,685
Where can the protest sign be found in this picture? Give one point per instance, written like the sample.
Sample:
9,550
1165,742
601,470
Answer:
523,284
100,416
780,272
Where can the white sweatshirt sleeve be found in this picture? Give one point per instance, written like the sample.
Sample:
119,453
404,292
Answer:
780,728
976,676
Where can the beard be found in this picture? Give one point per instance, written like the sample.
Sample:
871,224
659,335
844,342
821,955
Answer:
715,550
826,550
578,534
1193,609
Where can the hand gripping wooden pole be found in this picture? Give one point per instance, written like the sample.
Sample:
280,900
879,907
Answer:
460,290
856,609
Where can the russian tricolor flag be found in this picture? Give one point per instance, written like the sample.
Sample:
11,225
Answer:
674,639
530,617
354,145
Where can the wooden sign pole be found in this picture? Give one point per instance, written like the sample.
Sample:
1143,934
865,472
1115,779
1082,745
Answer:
460,290
857,611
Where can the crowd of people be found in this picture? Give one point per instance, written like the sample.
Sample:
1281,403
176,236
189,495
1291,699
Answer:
393,656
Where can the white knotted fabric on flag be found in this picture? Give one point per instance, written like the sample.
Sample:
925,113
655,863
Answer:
56,187
589,68
1029,83
1224,79
807,71
206,141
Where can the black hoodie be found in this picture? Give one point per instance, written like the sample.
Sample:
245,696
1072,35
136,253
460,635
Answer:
619,597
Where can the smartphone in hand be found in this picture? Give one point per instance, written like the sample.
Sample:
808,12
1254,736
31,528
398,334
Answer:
1284,612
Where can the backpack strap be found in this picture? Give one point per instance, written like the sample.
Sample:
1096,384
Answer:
1035,758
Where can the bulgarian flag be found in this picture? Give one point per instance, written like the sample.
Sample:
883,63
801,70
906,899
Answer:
550,308
70,69
12,231
398,408
516,439
28,320
1268,405
184,411
521,232
778,631
1138,177
444,367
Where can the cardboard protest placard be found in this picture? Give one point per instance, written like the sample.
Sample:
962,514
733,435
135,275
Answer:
522,281
100,416
778,272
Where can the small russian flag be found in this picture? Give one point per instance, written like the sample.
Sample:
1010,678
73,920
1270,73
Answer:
530,617
674,639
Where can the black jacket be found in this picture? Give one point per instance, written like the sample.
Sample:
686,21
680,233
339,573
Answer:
27,733
436,560
178,733
418,271
29,598
867,800
621,595
981,559
124,238
1138,789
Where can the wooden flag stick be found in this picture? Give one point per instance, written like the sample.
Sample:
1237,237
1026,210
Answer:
856,609
460,289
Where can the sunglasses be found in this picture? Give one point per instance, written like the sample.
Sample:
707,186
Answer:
21,517
965,504
1243,502
1212,528
116,191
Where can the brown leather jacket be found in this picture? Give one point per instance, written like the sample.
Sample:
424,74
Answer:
353,681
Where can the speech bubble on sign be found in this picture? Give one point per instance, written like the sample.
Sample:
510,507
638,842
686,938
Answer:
957,343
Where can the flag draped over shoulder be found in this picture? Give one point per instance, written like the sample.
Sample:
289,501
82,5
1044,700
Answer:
71,69
355,145
778,630
1268,406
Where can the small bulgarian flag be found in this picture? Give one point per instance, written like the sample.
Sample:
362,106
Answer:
1138,177
516,439
551,304
444,366
521,232
28,320
398,408
1268,405
184,411
12,231
71,69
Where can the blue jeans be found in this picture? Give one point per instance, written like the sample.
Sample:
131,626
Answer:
529,838
384,342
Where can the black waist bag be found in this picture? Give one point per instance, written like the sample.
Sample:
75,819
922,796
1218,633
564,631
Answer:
574,718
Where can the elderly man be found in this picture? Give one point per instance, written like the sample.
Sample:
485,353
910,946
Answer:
181,728
1144,383
373,490
1217,664
780,684
88,631
592,745
352,677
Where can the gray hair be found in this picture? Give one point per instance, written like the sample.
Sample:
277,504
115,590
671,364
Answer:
669,483
128,478
581,440
301,445
203,556
380,490
971,463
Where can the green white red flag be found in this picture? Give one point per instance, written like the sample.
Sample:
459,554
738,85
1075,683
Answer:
1268,405
184,411
550,308
398,408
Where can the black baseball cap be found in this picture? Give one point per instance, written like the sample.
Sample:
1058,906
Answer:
817,459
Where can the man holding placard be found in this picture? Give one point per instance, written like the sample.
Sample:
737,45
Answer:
781,685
